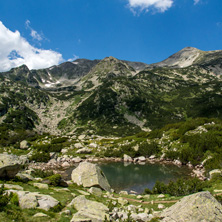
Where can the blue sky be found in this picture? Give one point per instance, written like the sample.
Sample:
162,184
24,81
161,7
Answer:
41,33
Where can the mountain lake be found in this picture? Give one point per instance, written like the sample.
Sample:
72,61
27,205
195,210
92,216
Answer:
137,177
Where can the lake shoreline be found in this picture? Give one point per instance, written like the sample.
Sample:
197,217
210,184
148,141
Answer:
61,164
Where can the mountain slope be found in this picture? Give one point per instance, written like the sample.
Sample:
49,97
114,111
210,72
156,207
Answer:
114,97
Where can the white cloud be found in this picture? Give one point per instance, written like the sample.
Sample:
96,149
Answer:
196,2
146,5
35,35
74,58
16,50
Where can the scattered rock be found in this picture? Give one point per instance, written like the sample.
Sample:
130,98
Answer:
161,196
152,157
28,200
123,192
12,186
66,212
81,137
40,215
64,150
178,163
122,201
83,192
89,175
197,207
24,177
84,151
65,164
127,158
160,206
24,145
216,171
93,145
140,159
76,160
96,191
46,202
41,185
78,145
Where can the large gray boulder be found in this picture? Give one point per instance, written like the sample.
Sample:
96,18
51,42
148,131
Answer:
196,207
89,210
28,200
10,165
90,175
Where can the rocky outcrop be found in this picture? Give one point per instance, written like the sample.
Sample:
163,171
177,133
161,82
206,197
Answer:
196,207
89,210
10,165
90,175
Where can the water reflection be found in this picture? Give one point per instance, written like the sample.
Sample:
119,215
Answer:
125,176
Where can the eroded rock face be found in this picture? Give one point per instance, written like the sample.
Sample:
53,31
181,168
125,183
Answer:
90,175
9,165
89,210
196,207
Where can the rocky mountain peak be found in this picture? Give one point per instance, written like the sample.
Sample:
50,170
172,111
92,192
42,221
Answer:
184,58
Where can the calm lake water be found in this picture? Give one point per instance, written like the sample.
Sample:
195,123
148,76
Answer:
136,177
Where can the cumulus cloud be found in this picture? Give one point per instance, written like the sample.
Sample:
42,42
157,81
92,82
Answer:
16,50
146,5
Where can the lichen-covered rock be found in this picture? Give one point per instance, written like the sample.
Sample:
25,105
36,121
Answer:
89,210
28,200
196,207
90,175
9,165
46,202
12,186
40,215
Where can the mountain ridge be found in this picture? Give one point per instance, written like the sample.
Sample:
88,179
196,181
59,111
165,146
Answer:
110,97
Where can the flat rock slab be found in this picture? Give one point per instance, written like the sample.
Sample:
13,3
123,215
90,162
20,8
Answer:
197,207
89,210
12,186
